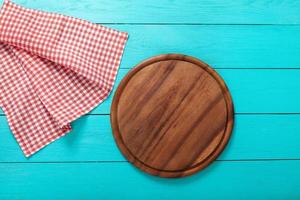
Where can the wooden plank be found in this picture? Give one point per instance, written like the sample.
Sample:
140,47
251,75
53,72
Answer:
220,46
164,11
232,180
254,137
253,91
225,46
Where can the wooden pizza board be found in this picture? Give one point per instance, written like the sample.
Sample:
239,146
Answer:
172,115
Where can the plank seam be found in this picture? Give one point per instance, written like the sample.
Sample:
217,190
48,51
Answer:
95,161
244,68
237,113
195,24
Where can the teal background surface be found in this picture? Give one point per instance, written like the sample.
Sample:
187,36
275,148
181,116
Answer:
253,44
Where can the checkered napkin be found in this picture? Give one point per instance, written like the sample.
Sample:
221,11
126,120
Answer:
53,69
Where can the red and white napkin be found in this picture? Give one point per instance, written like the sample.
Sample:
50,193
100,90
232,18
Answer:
53,69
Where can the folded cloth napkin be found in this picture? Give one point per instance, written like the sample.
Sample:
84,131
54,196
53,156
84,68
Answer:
53,69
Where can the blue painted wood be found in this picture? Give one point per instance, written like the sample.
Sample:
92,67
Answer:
254,137
274,180
226,46
86,163
176,11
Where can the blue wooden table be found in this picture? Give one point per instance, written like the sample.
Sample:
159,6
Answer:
253,44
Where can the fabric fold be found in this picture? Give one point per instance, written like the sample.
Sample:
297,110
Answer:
53,69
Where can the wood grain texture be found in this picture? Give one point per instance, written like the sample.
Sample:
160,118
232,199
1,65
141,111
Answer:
166,11
226,46
94,181
172,115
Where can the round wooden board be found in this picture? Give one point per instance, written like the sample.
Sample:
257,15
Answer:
172,115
